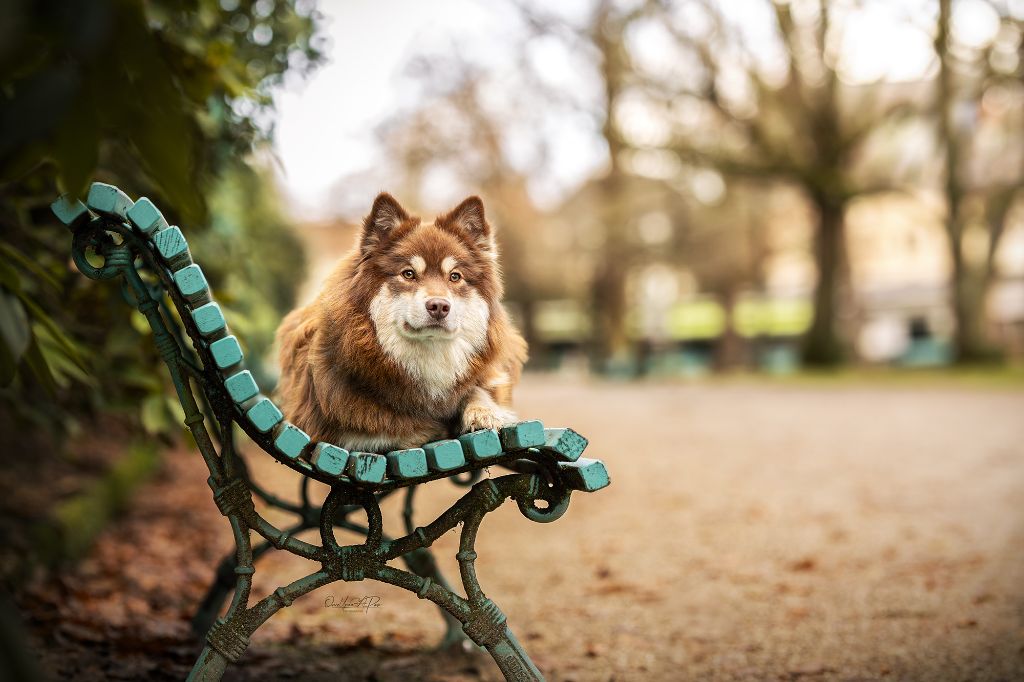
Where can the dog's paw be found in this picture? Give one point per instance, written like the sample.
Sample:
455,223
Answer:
477,417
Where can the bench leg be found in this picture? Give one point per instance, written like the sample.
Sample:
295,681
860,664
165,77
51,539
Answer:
512,660
209,667
222,585
481,619
422,563
220,589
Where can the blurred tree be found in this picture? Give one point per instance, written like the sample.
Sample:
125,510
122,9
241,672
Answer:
981,136
613,205
729,108
165,99
605,32
776,113
601,35
726,248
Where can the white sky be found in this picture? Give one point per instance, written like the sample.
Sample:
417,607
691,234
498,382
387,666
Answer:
325,126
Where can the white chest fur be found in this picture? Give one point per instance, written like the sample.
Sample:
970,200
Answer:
434,362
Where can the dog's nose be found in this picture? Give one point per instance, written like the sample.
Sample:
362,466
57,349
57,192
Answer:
438,308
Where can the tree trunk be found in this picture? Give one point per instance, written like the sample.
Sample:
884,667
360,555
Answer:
528,310
612,347
821,345
609,305
729,348
969,287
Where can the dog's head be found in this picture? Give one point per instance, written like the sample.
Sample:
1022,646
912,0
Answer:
429,282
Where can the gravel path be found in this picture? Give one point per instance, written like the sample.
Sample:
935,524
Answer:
752,531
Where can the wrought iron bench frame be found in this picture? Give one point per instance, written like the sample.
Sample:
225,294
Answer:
133,239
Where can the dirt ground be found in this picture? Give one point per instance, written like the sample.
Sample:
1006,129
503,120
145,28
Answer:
753,531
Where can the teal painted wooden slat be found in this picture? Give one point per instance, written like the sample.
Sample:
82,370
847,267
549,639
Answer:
411,463
241,386
108,200
479,445
264,415
226,352
146,217
444,455
523,435
366,467
290,440
565,443
329,459
69,210
584,474
191,282
173,248
209,319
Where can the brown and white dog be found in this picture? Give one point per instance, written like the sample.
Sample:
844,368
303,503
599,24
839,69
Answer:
408,341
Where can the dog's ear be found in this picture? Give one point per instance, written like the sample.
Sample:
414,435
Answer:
468,217
385,215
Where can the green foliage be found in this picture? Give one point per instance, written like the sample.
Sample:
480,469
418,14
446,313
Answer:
254,256
165,90
165,99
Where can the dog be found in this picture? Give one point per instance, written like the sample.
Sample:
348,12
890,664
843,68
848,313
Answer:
408,341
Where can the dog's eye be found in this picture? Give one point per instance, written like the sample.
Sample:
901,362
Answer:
409,274
455,277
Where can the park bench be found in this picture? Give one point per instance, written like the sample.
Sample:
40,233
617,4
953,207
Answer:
114,236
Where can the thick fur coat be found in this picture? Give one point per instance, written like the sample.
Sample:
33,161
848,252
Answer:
408,341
